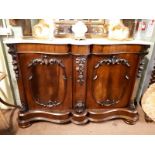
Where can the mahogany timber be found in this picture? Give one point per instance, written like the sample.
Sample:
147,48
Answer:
76,83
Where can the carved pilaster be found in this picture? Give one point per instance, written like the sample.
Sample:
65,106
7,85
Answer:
142,63
80,82
152,80
80,61
141,67
12,52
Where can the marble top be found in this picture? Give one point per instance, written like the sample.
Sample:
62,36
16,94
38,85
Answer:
100,41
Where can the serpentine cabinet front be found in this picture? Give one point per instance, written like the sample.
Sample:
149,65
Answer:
76,83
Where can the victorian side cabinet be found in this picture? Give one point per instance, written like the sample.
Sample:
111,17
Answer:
76,82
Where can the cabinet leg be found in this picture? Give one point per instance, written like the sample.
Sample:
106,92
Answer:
130,122
23,124
148,119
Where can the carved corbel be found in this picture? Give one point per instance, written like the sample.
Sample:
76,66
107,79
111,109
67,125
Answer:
141,68
79,107
12,52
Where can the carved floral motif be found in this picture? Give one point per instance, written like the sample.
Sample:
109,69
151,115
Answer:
80,61
45,60
112,61
49,103
108,102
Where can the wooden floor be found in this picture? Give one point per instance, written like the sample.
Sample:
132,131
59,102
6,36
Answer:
115,127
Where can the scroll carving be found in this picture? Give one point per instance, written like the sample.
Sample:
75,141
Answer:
107,102
12,52
80,61
49,103
79,107
112,61
46,60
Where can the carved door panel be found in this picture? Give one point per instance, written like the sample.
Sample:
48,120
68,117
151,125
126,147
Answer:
111,80
47,81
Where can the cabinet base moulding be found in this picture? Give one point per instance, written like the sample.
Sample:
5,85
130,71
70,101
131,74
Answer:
28,118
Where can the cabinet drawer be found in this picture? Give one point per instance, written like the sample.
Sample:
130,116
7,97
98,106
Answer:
43,48
116,49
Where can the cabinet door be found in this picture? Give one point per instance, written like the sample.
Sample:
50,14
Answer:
47,81
111,80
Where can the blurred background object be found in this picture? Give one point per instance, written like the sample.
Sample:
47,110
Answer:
79,29
44,29
96,28
25,25
144,29
6,126
4,28
148,102
117,30
130,23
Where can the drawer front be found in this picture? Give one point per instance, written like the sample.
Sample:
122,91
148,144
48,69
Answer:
117,49
43,48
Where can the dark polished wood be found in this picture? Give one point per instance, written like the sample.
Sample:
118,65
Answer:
76,83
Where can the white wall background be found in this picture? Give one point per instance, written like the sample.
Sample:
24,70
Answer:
5,89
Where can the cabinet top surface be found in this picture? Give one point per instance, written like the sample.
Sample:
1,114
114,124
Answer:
75,42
